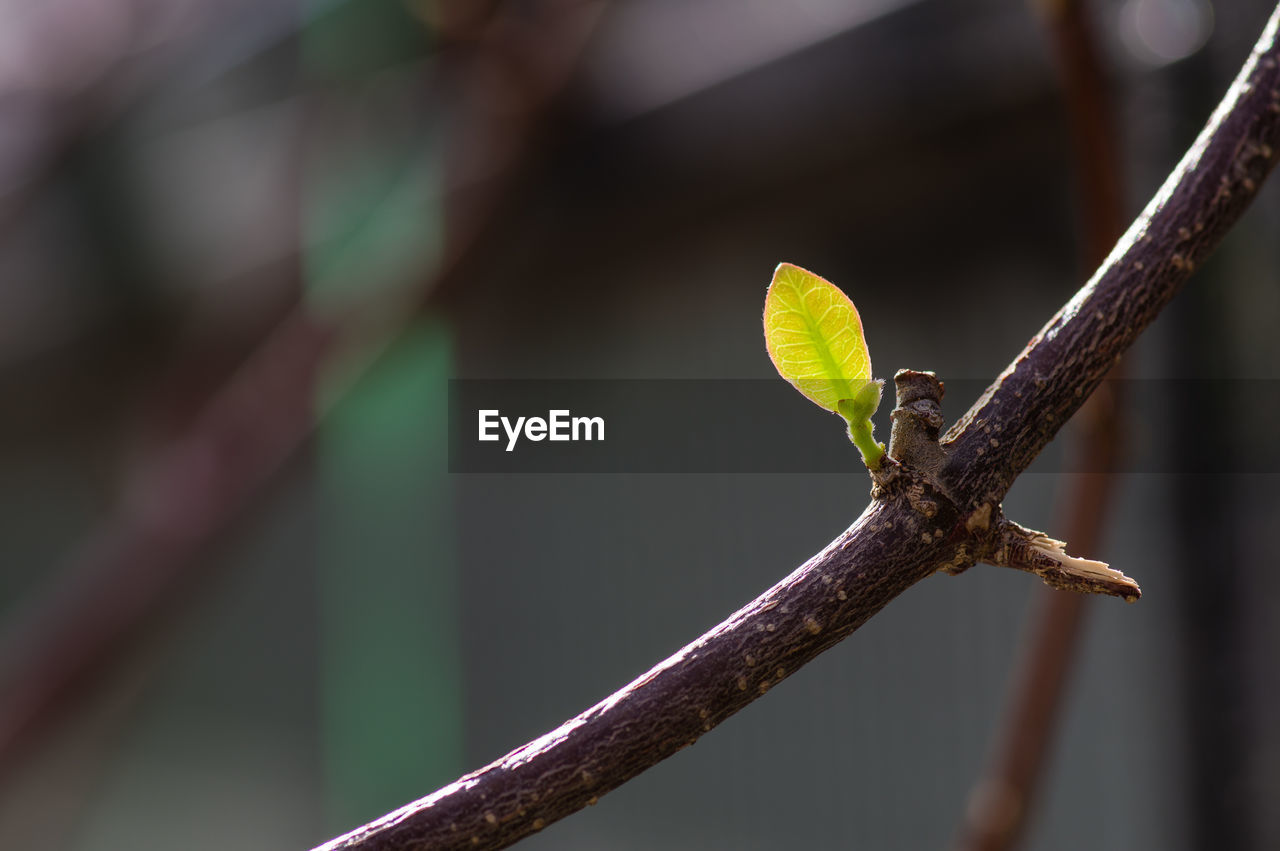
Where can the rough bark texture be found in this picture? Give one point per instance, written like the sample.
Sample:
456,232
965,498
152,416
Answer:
1002,801
936,506
1216,180
888,549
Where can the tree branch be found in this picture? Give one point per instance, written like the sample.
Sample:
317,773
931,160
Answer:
190,489
936,506
1002,800
1216,180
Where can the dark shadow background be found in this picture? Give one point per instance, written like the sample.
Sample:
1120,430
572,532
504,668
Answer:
556,190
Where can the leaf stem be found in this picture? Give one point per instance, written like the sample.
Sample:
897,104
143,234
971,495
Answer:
872,451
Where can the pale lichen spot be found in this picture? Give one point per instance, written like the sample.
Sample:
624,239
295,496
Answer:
592,801
742,683
475,840
994,443
1183,233
786,610
491,818
924,536
840,595
587,778
812,625
780,673
769,627
749,660
979,519
981,450
937,534
703,713
826,578
764,686
706,728
1139,265
539,824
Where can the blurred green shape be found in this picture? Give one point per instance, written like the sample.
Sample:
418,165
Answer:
349,39
391,699
391,693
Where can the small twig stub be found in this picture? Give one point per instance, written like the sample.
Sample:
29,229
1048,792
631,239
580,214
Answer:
1035,552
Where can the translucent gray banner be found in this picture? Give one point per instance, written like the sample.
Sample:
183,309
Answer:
765,426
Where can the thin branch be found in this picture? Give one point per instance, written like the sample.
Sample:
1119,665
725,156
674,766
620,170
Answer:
185,493
1212,185
918,522
1001,802
1036,552
175,502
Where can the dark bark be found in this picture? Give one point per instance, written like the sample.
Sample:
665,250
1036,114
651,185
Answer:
888,549
1216,180
936,506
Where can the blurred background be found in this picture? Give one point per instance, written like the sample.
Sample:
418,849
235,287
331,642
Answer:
244,601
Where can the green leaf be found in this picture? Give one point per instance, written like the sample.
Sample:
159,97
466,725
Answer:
814,337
